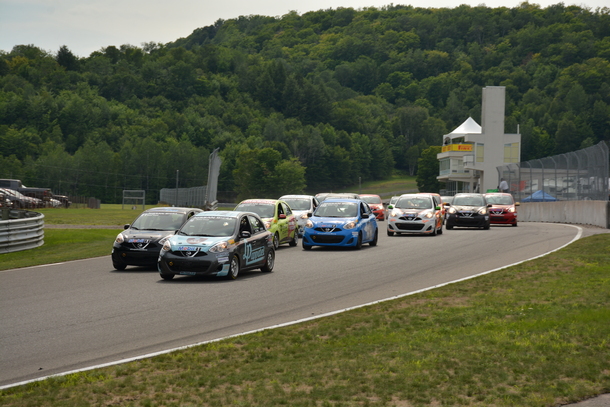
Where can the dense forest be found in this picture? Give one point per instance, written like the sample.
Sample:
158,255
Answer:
310,102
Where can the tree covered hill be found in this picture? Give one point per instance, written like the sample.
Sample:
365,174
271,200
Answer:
300,102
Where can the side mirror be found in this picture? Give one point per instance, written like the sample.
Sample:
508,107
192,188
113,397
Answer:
489,205
390,206
365,216
437,208
446,204
309,214
282,216
126,226
245,234
517,204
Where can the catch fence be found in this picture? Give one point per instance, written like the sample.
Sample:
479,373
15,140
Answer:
575,176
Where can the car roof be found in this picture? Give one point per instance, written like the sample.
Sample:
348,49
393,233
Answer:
224,214
368,195
259,201
297,196
351,200
171,209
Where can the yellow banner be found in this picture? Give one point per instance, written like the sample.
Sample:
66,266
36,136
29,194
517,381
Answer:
457,147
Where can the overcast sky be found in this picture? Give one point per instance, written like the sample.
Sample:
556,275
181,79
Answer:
85,26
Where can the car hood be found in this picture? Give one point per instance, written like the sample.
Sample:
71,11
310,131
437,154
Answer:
146,234
202,242
376,206
501,206
465,208
323,221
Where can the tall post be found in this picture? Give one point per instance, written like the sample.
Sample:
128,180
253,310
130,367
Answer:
177,176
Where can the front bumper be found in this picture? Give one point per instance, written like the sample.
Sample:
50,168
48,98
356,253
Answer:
415,226
467,221
203,264
312,237
135,257
506,218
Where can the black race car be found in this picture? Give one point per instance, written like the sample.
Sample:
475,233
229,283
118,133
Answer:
140,243
218,243
468,210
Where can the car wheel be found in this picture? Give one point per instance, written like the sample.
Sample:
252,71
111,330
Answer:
233,268
276,241
448,226
295,239
440,230
434,231
515,224
390,233
268,266
359,242
306,246
487,226
374,241
167,277
119,267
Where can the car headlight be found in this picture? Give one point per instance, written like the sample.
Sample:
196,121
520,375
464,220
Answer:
451,210
166,246
267,224
511,210
309,224
395,213
303,216
483,211
428,215
163,240
219,247
350,225
120,238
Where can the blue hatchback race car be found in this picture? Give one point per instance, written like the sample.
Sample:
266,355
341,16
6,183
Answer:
341,222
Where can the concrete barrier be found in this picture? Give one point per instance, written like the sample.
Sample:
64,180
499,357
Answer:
20,230
595,213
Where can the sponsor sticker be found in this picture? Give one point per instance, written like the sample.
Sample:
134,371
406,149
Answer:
187,248
253,255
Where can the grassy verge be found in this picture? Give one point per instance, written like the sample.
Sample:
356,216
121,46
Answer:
398,183
63,245
535,334
107,215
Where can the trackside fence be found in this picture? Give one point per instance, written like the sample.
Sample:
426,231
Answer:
20,230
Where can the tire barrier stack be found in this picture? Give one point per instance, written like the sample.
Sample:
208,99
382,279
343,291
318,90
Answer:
20,230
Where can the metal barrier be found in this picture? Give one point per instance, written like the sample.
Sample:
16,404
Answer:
20,230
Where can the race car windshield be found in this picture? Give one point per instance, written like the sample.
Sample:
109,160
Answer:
371,199
500,200
209,226
468,201
337,210
262,210
158,221
413,203
298,204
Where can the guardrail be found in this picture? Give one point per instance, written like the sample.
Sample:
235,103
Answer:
20,230
595,213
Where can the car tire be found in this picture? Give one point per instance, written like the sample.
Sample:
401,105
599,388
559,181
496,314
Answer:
375,239
295,239
276,241
515,224
119,267
434,231
167,277
359,242
269,263
487,226
390,233
440,230
448,226
306,246
233,268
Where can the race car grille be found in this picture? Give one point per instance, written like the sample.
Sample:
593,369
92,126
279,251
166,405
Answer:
327,238
409,226
465,214
331,229
185,253
405,217
140,244
497,211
